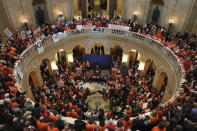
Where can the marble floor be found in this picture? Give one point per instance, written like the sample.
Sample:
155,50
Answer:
95,100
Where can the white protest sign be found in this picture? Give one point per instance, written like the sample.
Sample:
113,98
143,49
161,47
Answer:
23,35
8,32
39,46
79,27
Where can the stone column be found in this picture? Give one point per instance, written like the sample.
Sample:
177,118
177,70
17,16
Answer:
168,94
50,68
156,80
124,8
71,9
111,8
37,80
83,8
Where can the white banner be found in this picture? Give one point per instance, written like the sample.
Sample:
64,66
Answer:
39,46
79,27
8,32
118,27
97,29
59,36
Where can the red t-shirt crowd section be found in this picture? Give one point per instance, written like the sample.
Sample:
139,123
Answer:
129,94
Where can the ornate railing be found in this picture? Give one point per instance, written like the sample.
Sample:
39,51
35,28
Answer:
146,41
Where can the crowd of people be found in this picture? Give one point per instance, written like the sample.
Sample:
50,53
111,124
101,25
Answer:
129,95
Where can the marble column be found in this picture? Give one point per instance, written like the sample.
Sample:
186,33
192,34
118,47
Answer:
111,8
83,8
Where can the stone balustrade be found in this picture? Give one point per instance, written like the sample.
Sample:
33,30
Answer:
144,41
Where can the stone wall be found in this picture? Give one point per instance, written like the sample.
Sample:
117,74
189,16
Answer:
181,11
17,10
177,10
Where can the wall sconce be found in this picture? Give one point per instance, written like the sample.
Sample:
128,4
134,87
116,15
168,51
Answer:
60,13
61,50
134,15
25,21
133,50
171,22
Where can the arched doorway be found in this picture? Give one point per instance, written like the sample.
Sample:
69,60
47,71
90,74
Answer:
40,11
133,55
162,81
46,69
77,7
78,53
97,6
155,11
97,49
149,67
118,7
61,56
117,53
191,25
33,80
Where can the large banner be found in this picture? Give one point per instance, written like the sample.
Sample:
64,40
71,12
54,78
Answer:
39,46
97,29
118,27
104,61
59,36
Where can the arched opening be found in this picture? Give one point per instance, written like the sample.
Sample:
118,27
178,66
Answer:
133,56
77,7
149,67
118,7
191,25
78,53
97,49
46,69
97,6
155,11
33,80
162,81
40,11
61,57
117,53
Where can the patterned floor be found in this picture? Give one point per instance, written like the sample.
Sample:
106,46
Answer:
96,100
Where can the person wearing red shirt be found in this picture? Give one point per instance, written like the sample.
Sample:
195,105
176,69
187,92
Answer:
160,127
51,127
91,126
101,126
126,122
42,126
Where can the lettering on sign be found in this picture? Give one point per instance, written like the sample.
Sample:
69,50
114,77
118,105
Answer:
97,29
119,32
137,36
157,45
